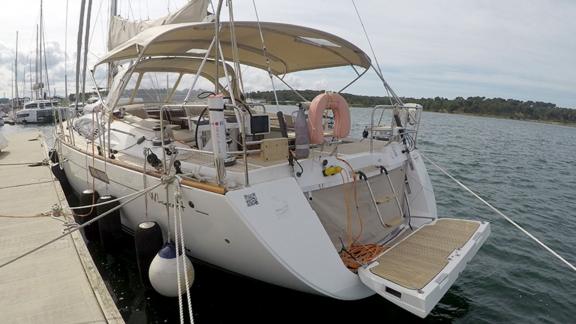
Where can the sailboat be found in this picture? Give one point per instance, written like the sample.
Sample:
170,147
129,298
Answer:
41,109
288,200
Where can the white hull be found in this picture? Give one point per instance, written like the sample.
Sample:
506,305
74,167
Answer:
280,240
292,202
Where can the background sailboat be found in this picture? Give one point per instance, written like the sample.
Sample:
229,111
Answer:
43,108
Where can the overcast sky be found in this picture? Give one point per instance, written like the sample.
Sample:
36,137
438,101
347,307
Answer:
522,49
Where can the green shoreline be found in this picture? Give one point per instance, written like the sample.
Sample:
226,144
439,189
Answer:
511,109
548,122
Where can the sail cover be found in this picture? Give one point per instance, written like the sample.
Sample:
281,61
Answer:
122,29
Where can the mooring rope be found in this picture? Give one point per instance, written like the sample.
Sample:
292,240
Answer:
177,246
178,215
38,163
95,219
26,184
110,201
508,219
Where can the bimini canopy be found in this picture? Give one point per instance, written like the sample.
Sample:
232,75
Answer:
290,48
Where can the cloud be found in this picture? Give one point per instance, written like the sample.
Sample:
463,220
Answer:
515,49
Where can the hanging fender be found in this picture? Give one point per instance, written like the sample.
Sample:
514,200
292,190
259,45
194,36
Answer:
339,107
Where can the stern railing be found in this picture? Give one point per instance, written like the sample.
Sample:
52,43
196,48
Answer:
408,115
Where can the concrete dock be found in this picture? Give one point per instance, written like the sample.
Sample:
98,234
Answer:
59,283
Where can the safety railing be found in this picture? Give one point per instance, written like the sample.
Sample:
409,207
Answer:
409,116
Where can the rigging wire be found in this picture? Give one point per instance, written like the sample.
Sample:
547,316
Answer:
265,52
508,219
235,54
377,68
95,23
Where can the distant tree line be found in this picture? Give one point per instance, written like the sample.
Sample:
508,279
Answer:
507,108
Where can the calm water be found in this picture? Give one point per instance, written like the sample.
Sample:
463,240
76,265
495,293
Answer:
527,170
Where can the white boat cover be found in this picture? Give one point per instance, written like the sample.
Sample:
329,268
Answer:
290,48
122,29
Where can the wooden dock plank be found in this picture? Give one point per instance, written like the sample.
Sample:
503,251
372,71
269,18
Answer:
59,283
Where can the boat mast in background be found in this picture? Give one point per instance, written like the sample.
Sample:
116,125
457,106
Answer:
41,79
86,41
36,67
78,52
66,56
16,78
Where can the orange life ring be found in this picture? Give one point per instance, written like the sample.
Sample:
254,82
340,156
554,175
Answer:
339,107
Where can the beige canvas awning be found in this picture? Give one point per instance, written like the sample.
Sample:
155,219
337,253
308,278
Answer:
290,48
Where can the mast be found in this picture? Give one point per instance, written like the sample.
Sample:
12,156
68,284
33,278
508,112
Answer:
30,78
41,84
50,94
12,92
16,75
217,41
86,40
66,56
79,51
113,13
36,66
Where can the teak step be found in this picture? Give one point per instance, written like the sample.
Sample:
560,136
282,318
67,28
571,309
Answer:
417,271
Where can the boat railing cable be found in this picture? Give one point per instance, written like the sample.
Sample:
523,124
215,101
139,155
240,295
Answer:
508,219
76,228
